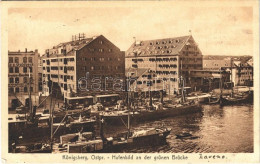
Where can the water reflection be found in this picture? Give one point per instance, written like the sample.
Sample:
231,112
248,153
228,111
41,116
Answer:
220,130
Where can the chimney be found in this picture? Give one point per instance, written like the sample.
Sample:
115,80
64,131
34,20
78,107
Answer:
25,49
36,50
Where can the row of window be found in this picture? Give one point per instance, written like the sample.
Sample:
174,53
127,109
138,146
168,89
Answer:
146,82
102,68
99,59
155,81
16,69
16,59
165,42
16,80
61,76
99,50
64,60
60,60
17,90
167,65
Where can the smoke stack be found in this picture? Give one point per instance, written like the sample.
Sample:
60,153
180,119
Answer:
25,49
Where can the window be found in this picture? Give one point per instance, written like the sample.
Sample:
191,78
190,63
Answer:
17,90
16,69
118,59
139,82
11,80
11,60
101,42
101,59
25,89
30,59
11,70
25,79
25,69
31,70
101,50
61,68
92,67
24,59
151,43
31,89
109,59
109,50
43,61
157,42
17,80
11,90
16,60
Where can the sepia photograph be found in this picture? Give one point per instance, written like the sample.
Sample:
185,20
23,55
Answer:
134,77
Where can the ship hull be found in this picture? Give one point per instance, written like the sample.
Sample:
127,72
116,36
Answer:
152,115
115,146
233,101
138,142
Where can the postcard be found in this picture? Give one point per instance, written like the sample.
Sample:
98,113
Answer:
130,81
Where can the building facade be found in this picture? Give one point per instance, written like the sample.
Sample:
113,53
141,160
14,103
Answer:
170,59
22,66
240,68
84,67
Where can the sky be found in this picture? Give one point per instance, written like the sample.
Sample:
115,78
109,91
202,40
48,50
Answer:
217,30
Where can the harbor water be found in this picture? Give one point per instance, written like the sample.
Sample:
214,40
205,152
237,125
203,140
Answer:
227,129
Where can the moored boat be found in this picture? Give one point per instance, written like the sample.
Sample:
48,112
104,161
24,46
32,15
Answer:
136,139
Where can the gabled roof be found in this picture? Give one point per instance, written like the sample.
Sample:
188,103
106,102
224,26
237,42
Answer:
167,46
77,43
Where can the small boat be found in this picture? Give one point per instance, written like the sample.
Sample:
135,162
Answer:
186,136
236,99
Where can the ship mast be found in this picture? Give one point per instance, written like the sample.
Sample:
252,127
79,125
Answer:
182,85
128,108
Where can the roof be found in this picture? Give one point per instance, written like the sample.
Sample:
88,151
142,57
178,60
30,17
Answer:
76,45
167,46
226,57
135,73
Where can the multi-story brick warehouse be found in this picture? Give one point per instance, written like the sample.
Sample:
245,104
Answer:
19,66
169,58
84,67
